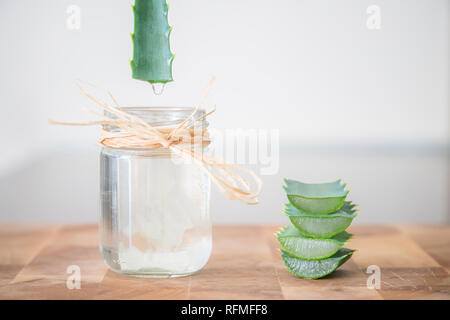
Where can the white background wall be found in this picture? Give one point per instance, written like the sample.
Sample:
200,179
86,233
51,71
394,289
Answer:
368,106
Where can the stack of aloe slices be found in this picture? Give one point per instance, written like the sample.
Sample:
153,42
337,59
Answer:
312,246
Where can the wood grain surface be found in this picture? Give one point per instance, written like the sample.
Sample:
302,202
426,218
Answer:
245,264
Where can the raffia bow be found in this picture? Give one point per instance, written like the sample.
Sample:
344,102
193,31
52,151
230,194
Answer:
137,133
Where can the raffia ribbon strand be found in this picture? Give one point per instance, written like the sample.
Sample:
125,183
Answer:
136,133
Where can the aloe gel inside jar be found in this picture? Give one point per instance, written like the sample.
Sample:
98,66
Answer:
154,209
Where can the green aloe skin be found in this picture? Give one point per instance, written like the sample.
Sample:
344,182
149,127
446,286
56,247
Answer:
312,245
322,225
152,58
315,269
316,198
303,247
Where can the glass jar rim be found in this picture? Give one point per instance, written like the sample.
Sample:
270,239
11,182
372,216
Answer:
159,108
162,116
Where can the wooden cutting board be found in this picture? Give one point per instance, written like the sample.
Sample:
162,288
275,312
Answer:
245,264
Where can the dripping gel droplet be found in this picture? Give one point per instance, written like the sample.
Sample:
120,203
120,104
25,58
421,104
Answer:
158,88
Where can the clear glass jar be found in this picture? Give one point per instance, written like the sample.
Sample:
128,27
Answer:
155,218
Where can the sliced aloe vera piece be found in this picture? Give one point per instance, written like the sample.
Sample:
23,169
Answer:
302,247
316,198
322,226
314,269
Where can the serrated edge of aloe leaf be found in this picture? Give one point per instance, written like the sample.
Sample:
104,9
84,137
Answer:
349,237
317,198
340,263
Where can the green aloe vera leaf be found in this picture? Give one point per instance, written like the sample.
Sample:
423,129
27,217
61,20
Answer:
300,246
152,58
314,269
316,198
322,226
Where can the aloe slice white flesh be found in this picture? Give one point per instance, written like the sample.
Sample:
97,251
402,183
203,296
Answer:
300,246
314,269
322,226
316,198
